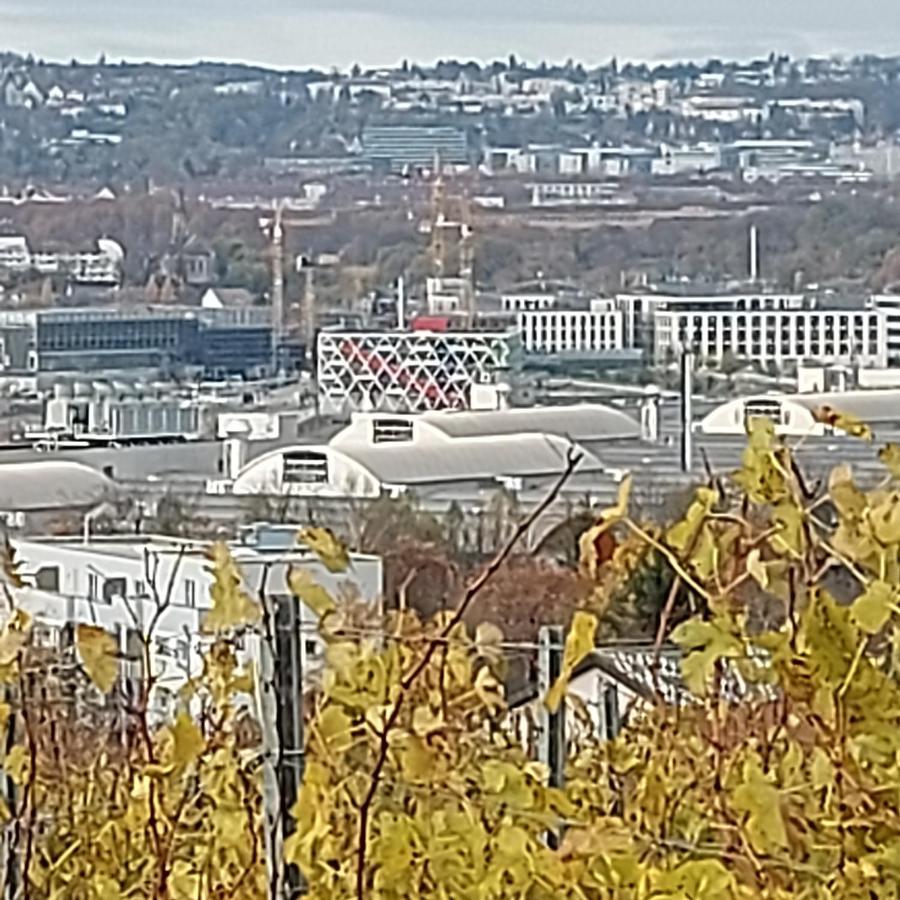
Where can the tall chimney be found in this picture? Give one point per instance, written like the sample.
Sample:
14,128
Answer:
754,254
401,304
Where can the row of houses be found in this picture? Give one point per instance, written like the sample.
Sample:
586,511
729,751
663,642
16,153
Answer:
98,265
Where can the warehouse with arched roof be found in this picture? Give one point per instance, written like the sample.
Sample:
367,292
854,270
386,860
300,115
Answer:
51,485
795,414
587,423
461,467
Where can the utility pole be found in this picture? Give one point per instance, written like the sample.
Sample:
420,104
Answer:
277,250
289,690
281,712
9,864
687,414
552,750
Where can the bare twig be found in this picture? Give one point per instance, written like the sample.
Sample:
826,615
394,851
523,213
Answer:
573,458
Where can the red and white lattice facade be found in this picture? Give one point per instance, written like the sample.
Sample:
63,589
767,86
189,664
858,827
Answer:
409,371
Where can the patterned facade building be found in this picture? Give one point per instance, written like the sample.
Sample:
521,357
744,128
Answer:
410,371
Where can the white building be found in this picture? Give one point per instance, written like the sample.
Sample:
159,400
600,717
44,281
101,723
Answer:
687,160
795,414
522,302
555,331
889,305
101,265
571,193
409,371
845,336
639,309
121,585
446,456
14,253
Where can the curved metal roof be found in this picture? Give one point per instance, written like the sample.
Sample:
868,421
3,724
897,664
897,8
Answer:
871,406
584,422
466,459
463,459
34,486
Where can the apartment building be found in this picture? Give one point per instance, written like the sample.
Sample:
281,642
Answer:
124,584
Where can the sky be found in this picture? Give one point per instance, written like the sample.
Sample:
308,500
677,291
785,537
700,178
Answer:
325,33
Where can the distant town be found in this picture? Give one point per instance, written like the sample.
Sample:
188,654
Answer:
287,357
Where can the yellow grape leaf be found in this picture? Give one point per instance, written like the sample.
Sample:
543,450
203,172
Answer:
704,643
99,654
760,800
890,456
821,770
232,607
872,609
14,636
757,570
846,496
416,761
331,552
305,587
335,728
579,643
187,740
5,711
790,537
16,764
843,422
489,691
489,641
10,564
623,494
885,520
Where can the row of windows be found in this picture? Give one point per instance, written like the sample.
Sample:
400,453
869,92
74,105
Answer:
102,589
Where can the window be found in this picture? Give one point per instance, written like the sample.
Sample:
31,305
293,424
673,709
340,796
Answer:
304,467
47,579
311,648
93,586
190,593
113,587
391,431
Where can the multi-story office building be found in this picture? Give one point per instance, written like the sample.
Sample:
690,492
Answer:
761,327
829,336
410,371
639,309
561,331
399,147
215,341
889,304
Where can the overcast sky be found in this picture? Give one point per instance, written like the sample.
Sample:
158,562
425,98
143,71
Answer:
299,33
